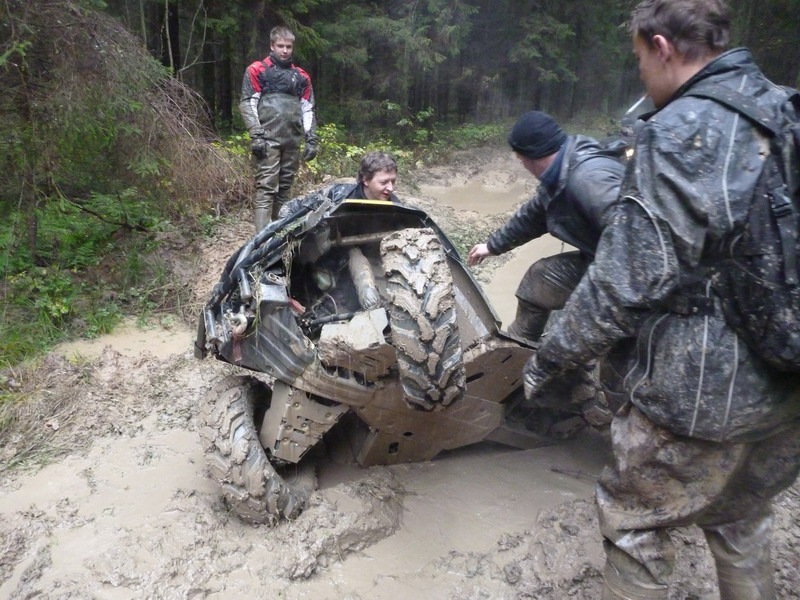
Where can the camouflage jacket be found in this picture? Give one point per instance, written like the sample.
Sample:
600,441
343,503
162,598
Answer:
647,295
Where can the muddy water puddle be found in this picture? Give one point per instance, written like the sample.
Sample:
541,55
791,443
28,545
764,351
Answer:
129,339
463,503
479,197
494,187
496,199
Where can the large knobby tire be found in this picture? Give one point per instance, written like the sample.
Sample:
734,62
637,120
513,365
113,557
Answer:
250,484
422,315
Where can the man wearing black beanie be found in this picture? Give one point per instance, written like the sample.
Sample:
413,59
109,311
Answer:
536,135
578,180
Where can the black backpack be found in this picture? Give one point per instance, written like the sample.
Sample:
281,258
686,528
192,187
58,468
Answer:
758,276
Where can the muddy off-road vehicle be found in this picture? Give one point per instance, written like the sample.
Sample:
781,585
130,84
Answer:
356,313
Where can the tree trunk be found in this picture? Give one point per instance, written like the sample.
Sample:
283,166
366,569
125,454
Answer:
225,85
170,31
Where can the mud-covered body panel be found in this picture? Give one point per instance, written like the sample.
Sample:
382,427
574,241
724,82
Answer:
289,308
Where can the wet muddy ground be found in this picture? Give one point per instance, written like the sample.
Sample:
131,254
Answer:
124,509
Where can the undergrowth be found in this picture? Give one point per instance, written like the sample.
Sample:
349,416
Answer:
104,151
45,305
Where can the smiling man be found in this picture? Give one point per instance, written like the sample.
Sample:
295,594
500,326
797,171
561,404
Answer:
375,180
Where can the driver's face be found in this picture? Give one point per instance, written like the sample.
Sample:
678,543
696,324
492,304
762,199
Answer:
282,48
380,186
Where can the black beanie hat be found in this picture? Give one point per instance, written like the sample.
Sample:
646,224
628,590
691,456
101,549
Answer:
535,135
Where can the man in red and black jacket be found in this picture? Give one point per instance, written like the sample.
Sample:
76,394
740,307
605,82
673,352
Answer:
277,107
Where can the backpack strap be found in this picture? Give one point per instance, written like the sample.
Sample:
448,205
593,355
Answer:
781,204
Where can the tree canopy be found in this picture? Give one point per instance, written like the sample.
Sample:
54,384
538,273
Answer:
456,60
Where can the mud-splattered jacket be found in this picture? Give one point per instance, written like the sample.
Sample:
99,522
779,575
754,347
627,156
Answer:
692,177
278,96
588,184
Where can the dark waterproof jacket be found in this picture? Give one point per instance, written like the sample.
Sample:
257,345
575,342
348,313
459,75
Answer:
692,177
587,185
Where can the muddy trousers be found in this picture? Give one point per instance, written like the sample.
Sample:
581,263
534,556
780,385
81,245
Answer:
741,553
274,177
660,480
545,287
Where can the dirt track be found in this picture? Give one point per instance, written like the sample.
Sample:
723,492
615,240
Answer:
125,509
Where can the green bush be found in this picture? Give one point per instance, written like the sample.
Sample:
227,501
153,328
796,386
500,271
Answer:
410,143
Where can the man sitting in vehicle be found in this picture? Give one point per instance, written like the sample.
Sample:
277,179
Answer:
375,180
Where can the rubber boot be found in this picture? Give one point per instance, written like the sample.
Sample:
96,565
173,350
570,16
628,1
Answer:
262,218
529,321
617,587
742,555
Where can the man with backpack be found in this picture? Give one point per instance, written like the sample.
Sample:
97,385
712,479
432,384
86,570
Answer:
277,107
710,432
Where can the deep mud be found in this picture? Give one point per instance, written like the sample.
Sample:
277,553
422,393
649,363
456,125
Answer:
123,507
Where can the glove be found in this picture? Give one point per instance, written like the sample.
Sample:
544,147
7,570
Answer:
311,149
537,374
258,142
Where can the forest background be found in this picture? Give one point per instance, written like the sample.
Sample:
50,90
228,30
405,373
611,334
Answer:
119,130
